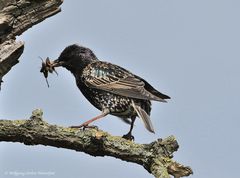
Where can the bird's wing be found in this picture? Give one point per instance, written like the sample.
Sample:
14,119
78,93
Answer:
115,79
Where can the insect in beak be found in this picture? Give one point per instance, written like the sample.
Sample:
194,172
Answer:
48,66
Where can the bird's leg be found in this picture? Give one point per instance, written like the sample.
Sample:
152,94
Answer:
85,124
129,135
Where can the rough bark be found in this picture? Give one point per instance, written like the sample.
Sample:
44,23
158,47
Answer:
16,16
155,157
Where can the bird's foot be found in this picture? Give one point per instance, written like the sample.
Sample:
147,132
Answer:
128,136
85,126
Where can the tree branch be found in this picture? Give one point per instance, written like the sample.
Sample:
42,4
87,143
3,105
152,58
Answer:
15,18
155,157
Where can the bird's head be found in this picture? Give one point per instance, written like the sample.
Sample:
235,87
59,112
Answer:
75,58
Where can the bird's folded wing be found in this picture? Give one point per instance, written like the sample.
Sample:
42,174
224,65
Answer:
114,79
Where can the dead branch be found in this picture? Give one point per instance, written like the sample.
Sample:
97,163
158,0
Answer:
155,157
15,18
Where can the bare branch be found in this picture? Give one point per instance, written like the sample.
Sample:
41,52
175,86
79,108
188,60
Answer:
155,157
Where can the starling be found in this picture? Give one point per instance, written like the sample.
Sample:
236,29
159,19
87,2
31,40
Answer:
110,88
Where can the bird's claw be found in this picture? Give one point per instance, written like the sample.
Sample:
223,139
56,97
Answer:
128,136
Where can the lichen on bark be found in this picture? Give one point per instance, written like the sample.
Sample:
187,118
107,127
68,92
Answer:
155,157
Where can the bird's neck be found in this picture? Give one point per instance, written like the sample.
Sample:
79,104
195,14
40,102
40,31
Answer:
76,67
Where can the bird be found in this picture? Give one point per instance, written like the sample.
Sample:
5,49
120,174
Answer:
110,88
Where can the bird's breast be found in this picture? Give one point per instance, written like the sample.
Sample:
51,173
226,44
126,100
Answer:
103,99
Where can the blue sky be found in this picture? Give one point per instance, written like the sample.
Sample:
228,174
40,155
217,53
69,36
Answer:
186,49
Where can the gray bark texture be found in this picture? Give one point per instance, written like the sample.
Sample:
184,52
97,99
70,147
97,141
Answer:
16,16
155,157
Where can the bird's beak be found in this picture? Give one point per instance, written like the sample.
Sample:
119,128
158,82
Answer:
57,63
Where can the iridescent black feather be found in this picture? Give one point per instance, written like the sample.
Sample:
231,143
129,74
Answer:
110,87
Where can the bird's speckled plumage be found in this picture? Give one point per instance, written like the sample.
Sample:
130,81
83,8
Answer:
110,88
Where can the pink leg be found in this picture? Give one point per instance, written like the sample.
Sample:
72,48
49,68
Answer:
85,124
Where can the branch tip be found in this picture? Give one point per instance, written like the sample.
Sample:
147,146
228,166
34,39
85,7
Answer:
178,170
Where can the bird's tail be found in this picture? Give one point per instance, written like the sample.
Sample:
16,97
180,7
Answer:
144,116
